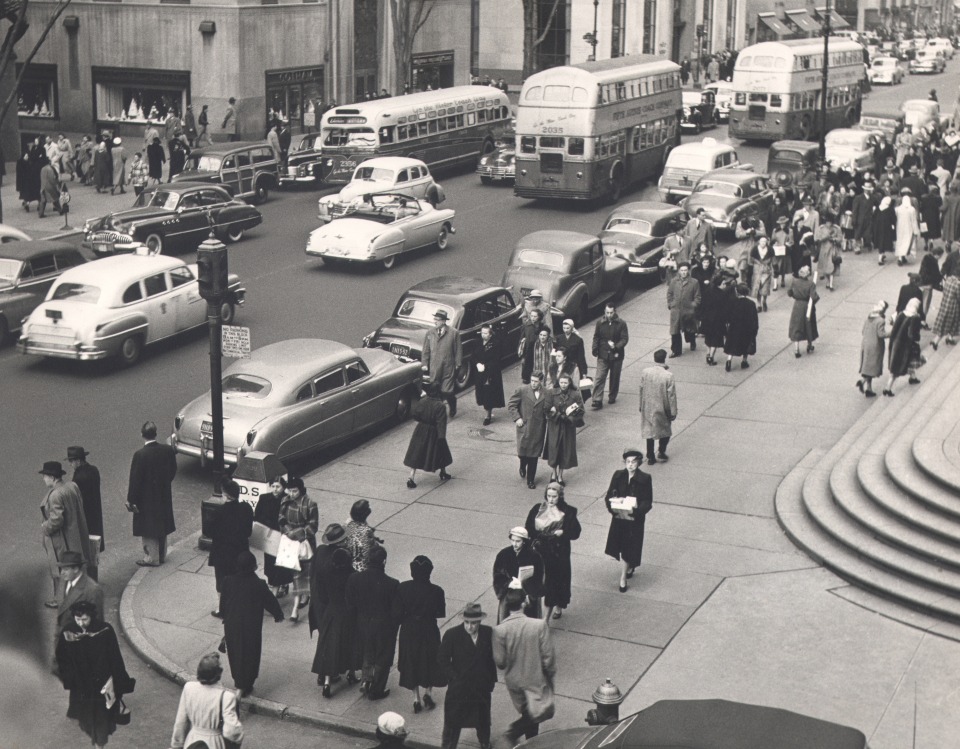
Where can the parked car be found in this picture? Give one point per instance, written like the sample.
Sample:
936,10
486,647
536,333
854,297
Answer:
27,271
381,227
12,234
249,170
850,149
928,60
500,165
730,195
175,217
394,174
940,44
469,304
920,113
885,70
793,163
698,110
723,93
303,162
112,308
689,162
570,268
706,724
295,397
636,232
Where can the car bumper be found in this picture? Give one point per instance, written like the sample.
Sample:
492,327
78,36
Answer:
204,451
105,248
496,173
334,255
636,269
61,351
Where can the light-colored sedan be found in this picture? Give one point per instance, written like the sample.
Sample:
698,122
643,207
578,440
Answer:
116,306
885,70
385,174
928,61
379,228
850,149
295,397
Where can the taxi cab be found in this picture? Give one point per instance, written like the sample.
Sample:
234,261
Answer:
920,113
687,163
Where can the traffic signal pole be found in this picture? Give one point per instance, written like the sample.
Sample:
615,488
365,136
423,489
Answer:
823,84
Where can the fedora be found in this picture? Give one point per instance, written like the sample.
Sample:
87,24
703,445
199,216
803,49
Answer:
70,559
473,612
76,453
441,314
334,534
52,468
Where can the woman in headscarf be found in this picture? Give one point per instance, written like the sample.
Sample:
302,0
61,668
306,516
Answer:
418,605
761,259
951,213
829,241
428,449
299,521
489,380
873,347
564,409
552,525
743,324
948,315
91,667
629,499
803,316
267,512
908,229
885,229
905,355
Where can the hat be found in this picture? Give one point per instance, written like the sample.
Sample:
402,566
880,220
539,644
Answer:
569,321
880,307
632,453
246,561
807,200
76,452
441,314
473,612
117,141
70,559
868,185
783,220
392,724
334,534
520,532
535,294
52,468
906,191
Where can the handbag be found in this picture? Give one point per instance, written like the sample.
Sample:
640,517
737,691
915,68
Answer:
122,717
305,552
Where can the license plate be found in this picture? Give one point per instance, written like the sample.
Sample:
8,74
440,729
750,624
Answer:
54,314
399,350
102,247
206,428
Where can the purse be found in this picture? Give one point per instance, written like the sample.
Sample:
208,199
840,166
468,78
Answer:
122,717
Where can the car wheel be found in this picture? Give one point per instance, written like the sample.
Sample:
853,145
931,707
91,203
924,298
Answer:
234,234
443,237
227,313
389,261
463,375
262,193
486,181
154,244
130,350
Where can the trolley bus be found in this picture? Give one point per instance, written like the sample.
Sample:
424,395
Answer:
442,128
591,130
777,88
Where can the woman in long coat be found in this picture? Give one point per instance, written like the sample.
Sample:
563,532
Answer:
948,315
743,324
829,240
625,537
267,512
88,657
552,525
229,532
489,382
872,348
336,628
119,156
951,213
803,316
905,355
713,309
299,521
564,408
244,599
155,159
28,186
908,229
102,167
207,712
931,206
885,229
428,449
761,259
418,605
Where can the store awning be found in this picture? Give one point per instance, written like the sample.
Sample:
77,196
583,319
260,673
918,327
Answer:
773,23
803,21
836,20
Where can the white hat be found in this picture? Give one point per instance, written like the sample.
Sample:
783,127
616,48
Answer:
520,532
117,141
392,724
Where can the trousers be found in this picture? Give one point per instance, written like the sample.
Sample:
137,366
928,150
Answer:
613,367
450,736
676,341
529,467
155,549
522,726
664,441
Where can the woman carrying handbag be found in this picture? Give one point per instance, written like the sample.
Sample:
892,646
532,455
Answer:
207,712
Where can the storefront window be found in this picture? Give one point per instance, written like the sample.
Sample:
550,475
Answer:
554,50
295,95
432,70
139,96
37,94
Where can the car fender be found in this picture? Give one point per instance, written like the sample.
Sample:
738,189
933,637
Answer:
110,334
570,302
390,242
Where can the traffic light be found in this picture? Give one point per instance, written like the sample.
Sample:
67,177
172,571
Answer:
700,31
212,270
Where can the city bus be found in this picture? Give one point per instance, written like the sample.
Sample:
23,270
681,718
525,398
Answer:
591,130
777,89
442,128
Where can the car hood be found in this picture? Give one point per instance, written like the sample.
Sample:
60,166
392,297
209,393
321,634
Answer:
397,330
135,214
347,228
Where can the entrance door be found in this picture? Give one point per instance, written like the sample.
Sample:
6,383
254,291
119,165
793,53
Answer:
366,83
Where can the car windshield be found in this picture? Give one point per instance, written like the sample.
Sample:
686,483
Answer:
76,292
246,385
353,136
628,225
719,188
845,140
373,173
691,98
883,63
541,257
208,163
786,156
9,269
422,310
158,199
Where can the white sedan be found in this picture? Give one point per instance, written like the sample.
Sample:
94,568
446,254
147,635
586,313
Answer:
378,228
885,70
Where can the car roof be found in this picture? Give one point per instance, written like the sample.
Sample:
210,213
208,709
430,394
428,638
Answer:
185,186
649,210
734,176
294,360
225,148
25,250
392,162
120,270
795,145
850,131
556,240
707,144
461,288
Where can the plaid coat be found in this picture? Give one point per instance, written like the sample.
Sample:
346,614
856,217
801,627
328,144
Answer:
948,316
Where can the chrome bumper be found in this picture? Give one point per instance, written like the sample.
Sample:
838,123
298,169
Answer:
204,453
85,353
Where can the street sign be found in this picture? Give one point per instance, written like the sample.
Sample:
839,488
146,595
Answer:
235,341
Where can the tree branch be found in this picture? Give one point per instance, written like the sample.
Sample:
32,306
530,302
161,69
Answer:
547,25
8,43
418,24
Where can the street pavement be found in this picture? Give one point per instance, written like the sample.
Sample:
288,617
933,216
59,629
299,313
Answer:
723,606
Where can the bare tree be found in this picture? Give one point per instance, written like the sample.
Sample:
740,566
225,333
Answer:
408,16
15,12
532,35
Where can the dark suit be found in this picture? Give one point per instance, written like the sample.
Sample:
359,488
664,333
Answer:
372,595
470,674
152,471
609,357
87,479
83,589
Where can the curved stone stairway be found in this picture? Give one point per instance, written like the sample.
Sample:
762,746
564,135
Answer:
881,508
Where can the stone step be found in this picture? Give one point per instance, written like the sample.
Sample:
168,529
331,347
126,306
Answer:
906,473
937,449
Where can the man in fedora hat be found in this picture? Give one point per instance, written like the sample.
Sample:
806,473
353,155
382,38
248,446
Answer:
150,495
914,182
64,525
466,659
864,209
77,586
87,479
442,357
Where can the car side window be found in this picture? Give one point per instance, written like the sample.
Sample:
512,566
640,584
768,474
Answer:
41,265
190,201
404,176
356,371
243,159
584,261
469,317
328,382
68,260
486,311
132,294
155,284
305,393
180,276
229,163
504,304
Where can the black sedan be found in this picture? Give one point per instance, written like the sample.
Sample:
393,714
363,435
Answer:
729,195
636,232
699,110
171,218
469,304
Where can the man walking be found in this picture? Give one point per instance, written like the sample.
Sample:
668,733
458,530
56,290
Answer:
229,126
466,660
190,126
203,136
683,301
523,649
442,357
150,495
609,340
77,586
87,479
527,409
372,595
64,526
697,232
864,208
658,406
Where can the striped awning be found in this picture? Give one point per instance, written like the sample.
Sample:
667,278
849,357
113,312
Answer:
773,23
803,21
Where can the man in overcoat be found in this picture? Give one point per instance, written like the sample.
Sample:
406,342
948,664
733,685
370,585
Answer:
150,495
87,479
442,357
64,526
528,411
77,586
697,231
683,301
658,406
610,338
372,595
523,649
466,660
864,208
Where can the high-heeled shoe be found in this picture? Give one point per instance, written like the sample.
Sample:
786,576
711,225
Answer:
888,393
810,348
914,381
859,385
428,702
444,476
411,484
727,365
796,354
326,691
417,707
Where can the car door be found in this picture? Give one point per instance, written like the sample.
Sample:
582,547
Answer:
36,278
421,229
219,206
230,175
246,168
189,306
157,306
328,415
372,399
192,225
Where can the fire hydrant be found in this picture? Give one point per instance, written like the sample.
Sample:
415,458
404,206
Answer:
607,699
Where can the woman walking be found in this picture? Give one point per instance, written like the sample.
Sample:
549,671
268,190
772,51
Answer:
947,323
336,652
743,324
873,347
28,186
530,329
782,240
91,667
761,260
931,208
155,160
930,279
885,229
418,605
267,513
360,535
629,498
489,382
713,310
428,450
119,156
552,525
563,365
564,408
208,714
908,230
905,356
102,167
803,316
299,521
829,240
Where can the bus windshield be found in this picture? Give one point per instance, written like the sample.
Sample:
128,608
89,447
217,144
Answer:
349,136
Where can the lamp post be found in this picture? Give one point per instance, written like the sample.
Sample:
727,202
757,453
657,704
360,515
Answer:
593,40
823,85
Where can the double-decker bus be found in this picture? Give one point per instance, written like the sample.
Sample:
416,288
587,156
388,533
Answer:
777,88
446,127
591,130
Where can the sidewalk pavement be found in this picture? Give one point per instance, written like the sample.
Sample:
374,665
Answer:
724,605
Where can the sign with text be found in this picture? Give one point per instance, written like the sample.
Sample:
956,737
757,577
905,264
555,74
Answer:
235,341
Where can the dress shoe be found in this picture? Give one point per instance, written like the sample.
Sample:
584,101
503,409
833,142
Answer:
796,354
373,696
727,365
888,393
870,394
486,421
651,460
673,355
326,691
557,613
531,485
622,588
352,678
444,476
411,484
934,345
913,381
612,399
246,692
596,404
810,348
428,702
523,471
145,563
364,686
216,613
859,385
744,365
662,457
764,304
